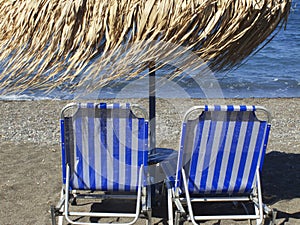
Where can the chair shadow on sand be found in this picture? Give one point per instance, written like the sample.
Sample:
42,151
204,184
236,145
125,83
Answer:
280,181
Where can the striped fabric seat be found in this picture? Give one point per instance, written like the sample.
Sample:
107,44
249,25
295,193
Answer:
223,149
221,152
106,147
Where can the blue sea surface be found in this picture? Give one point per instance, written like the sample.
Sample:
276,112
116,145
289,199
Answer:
272,72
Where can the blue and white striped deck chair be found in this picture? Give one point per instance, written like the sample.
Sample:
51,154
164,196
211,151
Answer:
220,158
104,151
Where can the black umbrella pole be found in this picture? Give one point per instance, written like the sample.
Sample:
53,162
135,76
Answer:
152,123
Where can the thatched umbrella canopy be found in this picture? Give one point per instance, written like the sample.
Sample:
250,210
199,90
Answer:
50,43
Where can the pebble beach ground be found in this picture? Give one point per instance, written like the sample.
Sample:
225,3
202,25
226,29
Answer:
30,155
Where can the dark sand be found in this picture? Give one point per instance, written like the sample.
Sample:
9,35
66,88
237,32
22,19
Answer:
30,175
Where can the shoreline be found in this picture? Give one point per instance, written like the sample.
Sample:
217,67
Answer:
30,155
25,99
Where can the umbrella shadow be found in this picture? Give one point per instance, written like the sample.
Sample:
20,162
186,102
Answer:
281,180
112,205
159,208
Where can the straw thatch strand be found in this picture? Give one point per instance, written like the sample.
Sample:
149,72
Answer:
52,43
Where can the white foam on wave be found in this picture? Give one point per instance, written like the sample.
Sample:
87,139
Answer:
23,97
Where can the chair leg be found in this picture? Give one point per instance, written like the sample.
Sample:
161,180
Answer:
170,207
57,211
178,219
61,217
271,215
53,216
149,217
60,220
189,203
260,206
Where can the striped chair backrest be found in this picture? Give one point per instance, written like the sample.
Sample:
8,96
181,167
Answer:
222,150
105,146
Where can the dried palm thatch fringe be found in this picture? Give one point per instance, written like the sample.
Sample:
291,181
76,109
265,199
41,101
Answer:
52,43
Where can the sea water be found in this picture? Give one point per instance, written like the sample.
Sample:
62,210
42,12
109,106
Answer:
272,72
